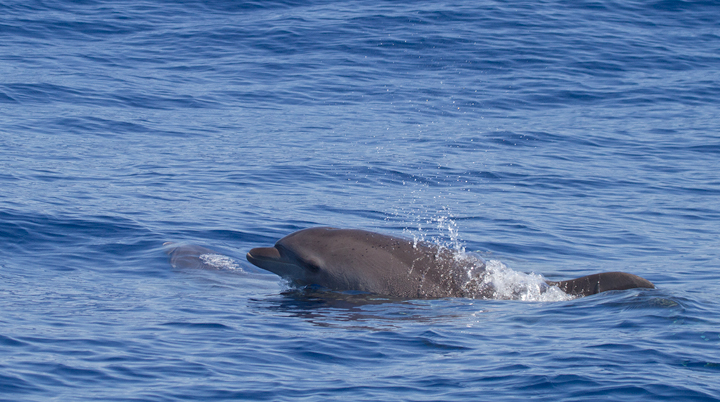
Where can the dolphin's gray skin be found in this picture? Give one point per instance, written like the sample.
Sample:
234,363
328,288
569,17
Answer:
185,256
350,259
596,283
347,259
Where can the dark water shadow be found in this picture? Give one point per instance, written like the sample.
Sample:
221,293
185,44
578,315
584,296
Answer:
358,310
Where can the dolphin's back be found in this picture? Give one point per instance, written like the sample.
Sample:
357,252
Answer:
596,283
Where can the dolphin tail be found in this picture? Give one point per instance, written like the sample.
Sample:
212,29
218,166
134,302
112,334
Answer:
596,283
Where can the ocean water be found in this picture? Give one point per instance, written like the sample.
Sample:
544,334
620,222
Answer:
554,139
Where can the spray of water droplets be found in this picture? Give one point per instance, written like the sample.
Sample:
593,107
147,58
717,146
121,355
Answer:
505,283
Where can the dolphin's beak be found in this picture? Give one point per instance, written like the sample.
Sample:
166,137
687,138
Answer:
269,258
263,254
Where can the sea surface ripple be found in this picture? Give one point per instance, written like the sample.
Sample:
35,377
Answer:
551,138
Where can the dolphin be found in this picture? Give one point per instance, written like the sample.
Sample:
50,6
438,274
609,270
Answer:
187,256
359,260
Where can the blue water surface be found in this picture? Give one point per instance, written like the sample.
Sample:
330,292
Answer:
562,138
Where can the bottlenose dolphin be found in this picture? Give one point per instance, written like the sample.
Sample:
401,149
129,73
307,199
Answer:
187,256
351,259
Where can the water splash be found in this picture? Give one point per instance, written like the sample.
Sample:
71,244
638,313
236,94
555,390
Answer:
508,284
441,230
448,224
501,282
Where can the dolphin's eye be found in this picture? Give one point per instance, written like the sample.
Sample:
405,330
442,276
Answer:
311,267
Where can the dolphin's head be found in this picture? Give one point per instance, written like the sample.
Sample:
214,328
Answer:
299,257
352,259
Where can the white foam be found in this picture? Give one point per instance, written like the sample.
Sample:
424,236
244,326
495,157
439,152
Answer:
508,284
502,282
220,261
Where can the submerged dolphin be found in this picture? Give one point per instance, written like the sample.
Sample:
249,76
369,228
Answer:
188,256
350,259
